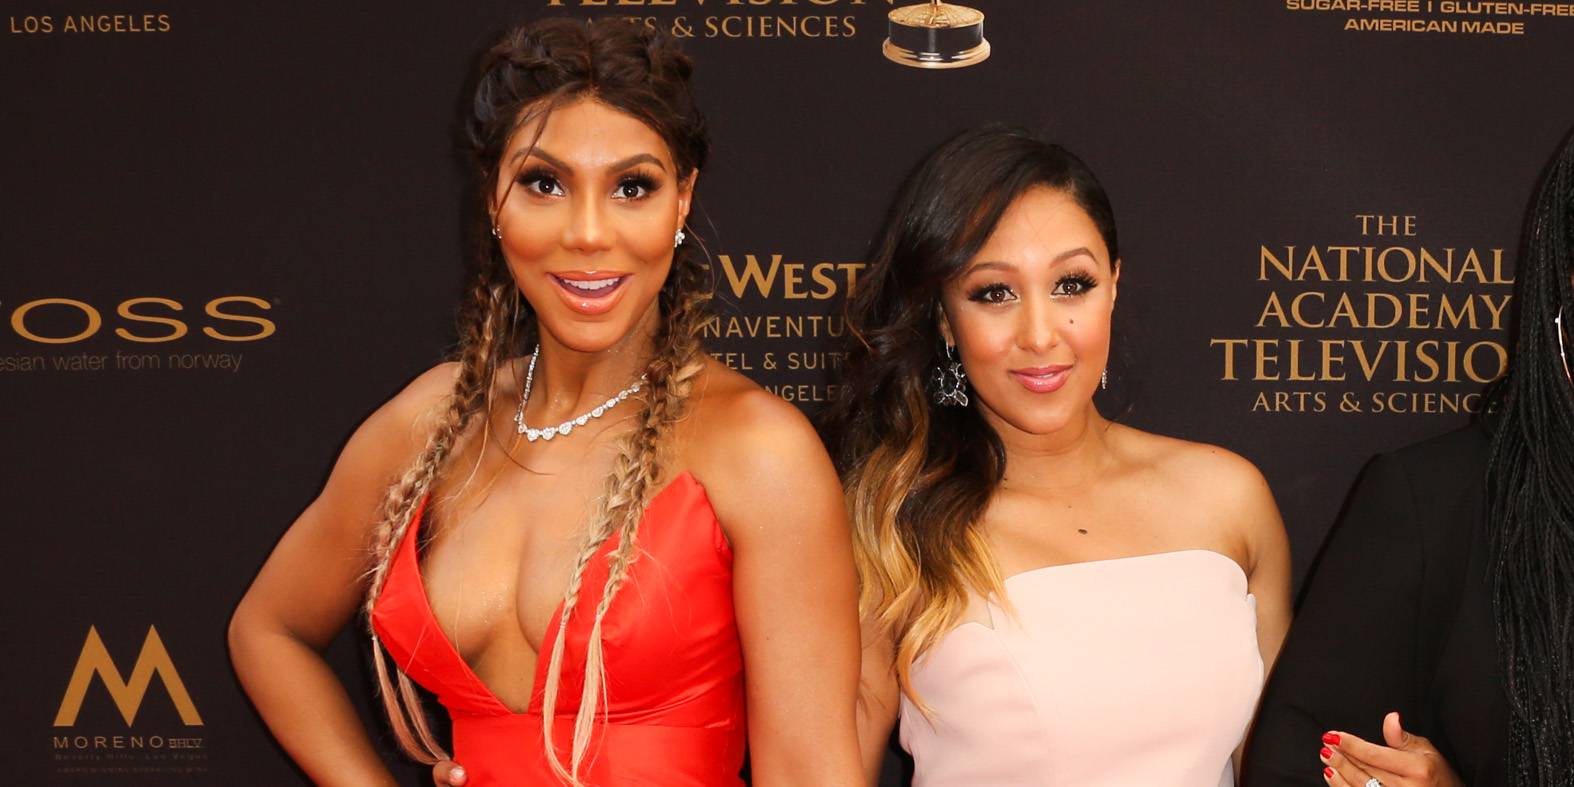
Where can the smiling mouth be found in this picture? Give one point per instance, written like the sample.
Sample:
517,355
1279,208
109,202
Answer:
590,288
1043,379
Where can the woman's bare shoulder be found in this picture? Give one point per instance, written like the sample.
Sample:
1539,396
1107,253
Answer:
1225,486
396,432
1184,461
739,431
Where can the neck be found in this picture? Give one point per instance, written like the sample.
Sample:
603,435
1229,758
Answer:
1072,456
569,382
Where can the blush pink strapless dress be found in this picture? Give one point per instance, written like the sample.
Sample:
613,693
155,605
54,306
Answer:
1133,672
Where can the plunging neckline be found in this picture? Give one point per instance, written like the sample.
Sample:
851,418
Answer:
554,623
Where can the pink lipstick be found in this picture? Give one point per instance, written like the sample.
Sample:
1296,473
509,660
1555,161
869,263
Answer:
590,292
1042,379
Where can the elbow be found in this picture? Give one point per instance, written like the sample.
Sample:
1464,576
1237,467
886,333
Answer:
240,634
248,635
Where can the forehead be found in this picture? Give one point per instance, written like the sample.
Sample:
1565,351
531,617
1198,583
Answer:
1039,225
587,133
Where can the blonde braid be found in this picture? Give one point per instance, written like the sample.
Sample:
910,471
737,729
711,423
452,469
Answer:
484,329
679,360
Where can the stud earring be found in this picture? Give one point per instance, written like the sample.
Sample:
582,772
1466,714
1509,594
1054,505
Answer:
678,238
497,232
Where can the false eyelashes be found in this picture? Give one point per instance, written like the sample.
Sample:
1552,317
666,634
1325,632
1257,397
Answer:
543,181
1070,285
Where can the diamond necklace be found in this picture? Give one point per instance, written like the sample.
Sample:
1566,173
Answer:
564,428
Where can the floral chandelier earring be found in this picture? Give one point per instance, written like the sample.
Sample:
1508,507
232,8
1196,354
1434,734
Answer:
948,381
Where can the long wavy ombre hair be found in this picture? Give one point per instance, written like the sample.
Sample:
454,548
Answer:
918,476
533,69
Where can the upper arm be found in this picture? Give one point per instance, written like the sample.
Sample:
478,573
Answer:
1240,509
794,587
1351,657
1268,556
879,696
313,582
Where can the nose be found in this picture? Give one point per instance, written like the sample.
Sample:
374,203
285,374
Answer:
1037,328
587,230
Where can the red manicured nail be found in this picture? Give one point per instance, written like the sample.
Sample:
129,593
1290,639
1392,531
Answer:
1331,738
1328,773
1325,752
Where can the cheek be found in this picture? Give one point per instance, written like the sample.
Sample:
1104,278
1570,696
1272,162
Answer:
982,337
647,236
1087,331
527,243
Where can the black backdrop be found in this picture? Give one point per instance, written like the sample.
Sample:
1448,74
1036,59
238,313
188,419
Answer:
231,230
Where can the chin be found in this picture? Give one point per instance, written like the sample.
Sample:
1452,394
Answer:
1037,418
587,337
592,333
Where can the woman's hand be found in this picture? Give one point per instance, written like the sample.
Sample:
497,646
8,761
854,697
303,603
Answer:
1407,761
447,773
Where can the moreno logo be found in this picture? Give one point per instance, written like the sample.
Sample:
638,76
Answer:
127,692
228,318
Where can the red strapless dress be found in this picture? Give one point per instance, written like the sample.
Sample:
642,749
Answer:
674,703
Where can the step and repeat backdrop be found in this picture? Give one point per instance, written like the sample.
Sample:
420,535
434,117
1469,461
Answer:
231,230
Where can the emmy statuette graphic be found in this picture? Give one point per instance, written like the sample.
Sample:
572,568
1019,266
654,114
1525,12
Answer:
936,35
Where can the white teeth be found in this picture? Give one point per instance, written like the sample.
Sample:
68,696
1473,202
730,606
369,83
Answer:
591,286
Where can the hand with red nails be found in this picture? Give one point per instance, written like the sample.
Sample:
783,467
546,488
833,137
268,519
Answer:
447,773
1407,761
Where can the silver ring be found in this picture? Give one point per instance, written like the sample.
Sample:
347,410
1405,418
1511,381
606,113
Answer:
1373,782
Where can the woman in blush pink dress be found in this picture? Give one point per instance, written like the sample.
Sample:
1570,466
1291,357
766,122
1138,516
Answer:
1049,598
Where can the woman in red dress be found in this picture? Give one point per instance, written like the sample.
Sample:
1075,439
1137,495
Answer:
613,560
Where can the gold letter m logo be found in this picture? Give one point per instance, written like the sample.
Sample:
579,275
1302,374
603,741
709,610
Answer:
127,694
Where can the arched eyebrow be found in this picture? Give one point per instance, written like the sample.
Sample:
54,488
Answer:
1069,253
616,166
1059,258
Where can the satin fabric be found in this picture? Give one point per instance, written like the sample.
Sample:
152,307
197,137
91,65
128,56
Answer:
1130,672
674,703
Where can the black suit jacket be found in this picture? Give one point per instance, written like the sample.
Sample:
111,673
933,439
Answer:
1396,616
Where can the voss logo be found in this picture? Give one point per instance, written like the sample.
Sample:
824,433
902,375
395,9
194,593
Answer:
147,320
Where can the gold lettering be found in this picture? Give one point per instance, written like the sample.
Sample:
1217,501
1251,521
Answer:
1230,345
1498,350
751,273
1263,359
1496,308
177,328
266,327
1274,309
19,320
1285,267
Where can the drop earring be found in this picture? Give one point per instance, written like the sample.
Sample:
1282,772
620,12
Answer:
678,238
1104,380
948,381
497,232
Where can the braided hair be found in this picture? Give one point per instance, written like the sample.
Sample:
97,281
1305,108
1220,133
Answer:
1530,497
533,69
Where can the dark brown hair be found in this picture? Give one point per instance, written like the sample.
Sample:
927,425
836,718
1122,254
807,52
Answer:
918,476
